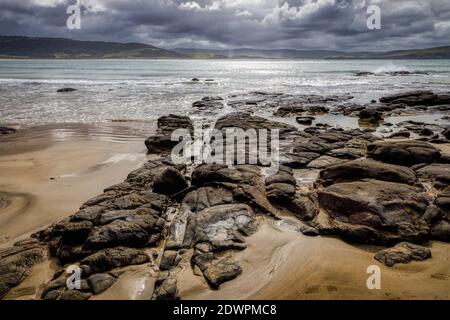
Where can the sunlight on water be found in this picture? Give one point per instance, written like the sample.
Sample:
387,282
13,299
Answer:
143,90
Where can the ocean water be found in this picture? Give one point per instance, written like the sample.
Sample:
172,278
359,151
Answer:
141,90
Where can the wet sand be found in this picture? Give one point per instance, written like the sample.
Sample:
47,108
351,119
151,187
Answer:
284,264
48,172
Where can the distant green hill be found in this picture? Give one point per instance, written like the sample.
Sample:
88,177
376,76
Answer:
60,48
17,47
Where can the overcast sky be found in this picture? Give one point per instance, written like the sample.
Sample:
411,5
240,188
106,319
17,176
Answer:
299,24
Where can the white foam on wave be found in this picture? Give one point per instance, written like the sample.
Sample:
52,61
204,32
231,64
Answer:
390,67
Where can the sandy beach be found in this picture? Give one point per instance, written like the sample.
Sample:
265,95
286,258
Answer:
49,171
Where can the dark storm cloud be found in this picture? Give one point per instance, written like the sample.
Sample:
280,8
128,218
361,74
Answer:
302,24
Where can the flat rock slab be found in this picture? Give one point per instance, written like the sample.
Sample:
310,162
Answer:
363,169
403,252
108,259
407,153
374,211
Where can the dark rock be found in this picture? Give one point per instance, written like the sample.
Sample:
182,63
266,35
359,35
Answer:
215,173
400,134
222,270
441,231
305,120
108,259
426,132
304,206
364,73
438,172
169,260
208,105
76,232
160,143
195,80
370,115
7,130
406,153
446,133
169,182
363,169
347,153
403,252
412,98
118,233
377,212
280,192
324,161
66,90
100,282
247,121
167,290
75,295
162,140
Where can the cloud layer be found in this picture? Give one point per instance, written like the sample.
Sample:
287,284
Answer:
299,24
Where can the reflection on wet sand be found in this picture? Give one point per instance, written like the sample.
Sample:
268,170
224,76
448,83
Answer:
49,171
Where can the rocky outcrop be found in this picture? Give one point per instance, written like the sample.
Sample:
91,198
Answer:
407,153
370,115
412,98
162,141
403,252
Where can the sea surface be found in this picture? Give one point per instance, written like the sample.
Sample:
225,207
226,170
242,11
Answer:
140,90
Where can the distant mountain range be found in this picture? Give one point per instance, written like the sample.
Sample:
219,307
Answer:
18,47
244,53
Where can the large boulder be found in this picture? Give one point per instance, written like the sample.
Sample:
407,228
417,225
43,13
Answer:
374,211
407,153
162,140
362,169
403,252
100,282
221,270
169,182
370,115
